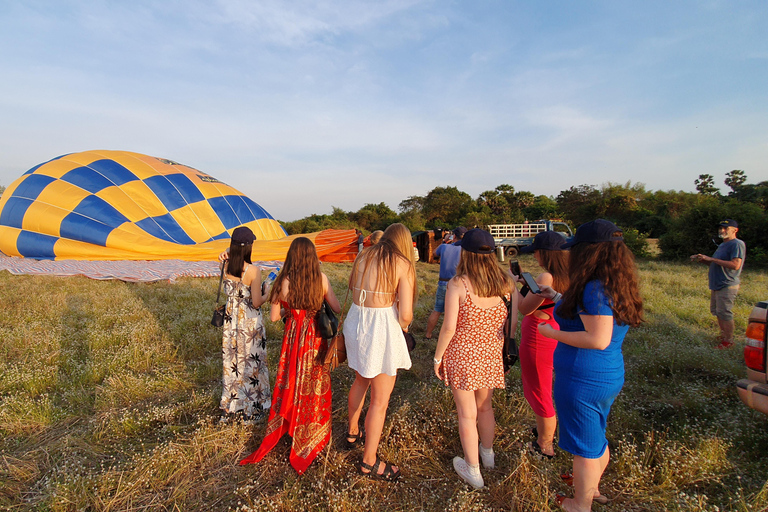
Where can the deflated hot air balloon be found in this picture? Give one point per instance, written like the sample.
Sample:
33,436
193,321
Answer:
117,205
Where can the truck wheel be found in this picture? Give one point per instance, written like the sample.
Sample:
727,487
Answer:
511,252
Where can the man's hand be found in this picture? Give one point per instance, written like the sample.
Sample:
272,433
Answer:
703,258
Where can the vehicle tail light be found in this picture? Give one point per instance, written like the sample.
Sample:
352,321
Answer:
754,350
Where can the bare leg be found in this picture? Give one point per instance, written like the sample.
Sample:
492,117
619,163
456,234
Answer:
466,408
486,422
546,428
586,480
434,316
381,389
356,400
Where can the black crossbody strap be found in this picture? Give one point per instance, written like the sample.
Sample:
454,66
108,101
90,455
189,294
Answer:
221,278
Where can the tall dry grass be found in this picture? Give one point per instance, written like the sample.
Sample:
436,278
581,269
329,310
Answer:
109,393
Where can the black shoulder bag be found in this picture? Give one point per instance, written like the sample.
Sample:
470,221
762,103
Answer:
510,352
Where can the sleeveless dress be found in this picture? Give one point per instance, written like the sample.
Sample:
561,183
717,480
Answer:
473,358
244,355
374,340
587,381
301,402
536,352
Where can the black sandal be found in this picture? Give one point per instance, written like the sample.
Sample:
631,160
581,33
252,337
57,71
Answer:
353,440
535,450
389,474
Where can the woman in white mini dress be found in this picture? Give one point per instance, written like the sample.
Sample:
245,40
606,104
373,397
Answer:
383,285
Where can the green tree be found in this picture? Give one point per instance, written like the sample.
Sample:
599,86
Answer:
2,189
543,207
374,216
705,184
579,204
446,206
735,179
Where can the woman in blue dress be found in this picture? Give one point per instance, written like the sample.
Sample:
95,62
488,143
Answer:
601,303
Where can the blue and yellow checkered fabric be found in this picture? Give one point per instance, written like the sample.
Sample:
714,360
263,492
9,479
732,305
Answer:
117,205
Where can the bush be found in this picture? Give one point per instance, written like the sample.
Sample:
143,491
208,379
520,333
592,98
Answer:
637,242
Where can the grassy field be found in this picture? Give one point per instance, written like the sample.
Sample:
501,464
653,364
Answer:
109,394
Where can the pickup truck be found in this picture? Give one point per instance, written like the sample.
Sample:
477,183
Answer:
510,238
753,390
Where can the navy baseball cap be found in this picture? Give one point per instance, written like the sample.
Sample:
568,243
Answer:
595,231
729,223
460,231
243,236
545,241
478,241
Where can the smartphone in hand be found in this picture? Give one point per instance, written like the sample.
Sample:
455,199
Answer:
514,267
530,282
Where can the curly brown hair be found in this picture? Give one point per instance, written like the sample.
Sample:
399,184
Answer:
305,281
613,264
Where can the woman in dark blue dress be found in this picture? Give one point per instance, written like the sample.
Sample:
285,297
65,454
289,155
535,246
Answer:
601,303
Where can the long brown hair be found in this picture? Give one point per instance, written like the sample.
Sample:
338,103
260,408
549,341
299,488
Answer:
305,281
613,265
487,278
239,255
556,263
395,244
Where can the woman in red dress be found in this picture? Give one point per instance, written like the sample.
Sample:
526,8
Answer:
301,401
536,350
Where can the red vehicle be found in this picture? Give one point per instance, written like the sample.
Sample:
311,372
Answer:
753,390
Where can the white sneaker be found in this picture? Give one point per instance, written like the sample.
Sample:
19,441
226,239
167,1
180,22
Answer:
487,456
470,474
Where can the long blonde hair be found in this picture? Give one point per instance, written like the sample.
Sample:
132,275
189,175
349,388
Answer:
395,244
487,278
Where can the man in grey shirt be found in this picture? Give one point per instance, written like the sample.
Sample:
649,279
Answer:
724,270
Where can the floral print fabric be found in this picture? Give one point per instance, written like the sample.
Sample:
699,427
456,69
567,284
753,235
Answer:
246,378
473,358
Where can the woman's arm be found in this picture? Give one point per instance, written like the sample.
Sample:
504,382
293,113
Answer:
531,301
452,297
597,332
275,310
329,295
257,298
405,286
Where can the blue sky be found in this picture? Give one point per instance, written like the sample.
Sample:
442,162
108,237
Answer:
308,105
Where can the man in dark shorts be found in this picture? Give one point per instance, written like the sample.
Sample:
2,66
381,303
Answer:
724,270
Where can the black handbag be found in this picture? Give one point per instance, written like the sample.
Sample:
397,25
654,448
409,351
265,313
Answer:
410,341
509,353
327,323
220,313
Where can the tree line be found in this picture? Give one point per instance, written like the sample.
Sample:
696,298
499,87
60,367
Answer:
684,222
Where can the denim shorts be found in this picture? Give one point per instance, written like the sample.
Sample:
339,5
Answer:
440,296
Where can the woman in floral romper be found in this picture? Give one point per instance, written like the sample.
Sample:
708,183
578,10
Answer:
468,356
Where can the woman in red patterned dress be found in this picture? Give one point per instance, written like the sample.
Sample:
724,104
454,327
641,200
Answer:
468,354
301,401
